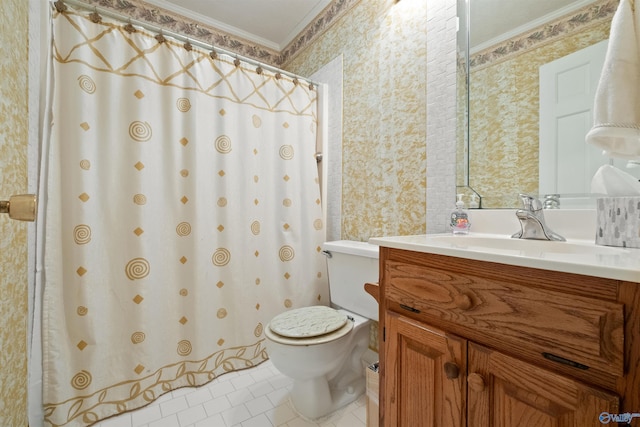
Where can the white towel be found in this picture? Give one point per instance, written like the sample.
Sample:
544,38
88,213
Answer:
613,182
617,103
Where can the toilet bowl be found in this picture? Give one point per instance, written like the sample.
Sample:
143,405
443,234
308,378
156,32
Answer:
321,348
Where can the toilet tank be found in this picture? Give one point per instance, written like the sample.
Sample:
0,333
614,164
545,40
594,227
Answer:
351,264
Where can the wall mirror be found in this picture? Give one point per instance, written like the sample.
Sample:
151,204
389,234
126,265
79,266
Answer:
518,59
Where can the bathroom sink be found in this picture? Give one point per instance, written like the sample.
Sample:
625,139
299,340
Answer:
523,246
578,255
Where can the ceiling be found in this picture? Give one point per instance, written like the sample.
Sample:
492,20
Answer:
495,19
270,23
275,23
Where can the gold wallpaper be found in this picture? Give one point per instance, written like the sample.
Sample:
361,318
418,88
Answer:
383,44
504,104
13,180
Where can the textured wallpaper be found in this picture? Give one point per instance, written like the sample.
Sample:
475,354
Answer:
13,234
384,114
504,96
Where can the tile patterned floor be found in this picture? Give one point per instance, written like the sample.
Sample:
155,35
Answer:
256,397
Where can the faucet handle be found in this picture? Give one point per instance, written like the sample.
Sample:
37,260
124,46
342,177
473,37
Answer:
530,203
532,223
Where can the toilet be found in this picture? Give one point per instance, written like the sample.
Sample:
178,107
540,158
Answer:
322,349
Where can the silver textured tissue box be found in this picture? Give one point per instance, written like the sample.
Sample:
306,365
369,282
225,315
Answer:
618,221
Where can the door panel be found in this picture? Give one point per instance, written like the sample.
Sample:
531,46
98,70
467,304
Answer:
424,375
567,93
505,392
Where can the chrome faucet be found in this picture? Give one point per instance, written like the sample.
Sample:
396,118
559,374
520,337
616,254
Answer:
532,221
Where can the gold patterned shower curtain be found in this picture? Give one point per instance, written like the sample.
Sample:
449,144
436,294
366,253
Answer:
183,213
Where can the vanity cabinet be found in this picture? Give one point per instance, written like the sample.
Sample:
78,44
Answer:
506,391
425,381
475,343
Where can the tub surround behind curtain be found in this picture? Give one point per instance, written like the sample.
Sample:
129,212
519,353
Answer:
183,213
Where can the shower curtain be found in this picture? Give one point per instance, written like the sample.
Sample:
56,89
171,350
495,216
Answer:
182,214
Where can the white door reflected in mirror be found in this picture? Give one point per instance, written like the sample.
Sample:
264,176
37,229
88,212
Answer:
567,92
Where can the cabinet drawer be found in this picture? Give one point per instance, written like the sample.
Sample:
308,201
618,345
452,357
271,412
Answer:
583,332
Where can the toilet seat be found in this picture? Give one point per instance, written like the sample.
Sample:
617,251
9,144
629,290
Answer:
308,325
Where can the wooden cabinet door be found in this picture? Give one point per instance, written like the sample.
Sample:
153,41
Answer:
424,376
506,392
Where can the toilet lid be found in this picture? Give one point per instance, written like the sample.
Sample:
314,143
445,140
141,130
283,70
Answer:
308,322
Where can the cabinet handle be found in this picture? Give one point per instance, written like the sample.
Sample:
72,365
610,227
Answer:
463,301
451,370
476,382
411,309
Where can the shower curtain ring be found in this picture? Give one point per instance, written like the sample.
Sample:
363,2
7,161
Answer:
129,28
95,16
160,38
60,6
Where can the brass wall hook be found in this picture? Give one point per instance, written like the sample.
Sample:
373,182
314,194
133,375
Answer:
22,207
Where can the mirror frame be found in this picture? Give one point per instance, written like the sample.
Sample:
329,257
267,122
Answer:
463,76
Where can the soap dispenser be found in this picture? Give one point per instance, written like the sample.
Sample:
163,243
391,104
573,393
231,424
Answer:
460,218
473,203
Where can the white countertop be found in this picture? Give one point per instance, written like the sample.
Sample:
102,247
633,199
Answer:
573,256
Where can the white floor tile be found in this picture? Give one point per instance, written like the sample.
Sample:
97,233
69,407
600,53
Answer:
192,415
235,415
259,421
261,388
170,421
221,388
350,420
280,381
258,405
212,421
173,406
217,405
198,396
261,373
181,391
281,415
300,422
240,396
278,396
255,397
360,411
243,381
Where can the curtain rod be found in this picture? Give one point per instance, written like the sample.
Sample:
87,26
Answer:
180,37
